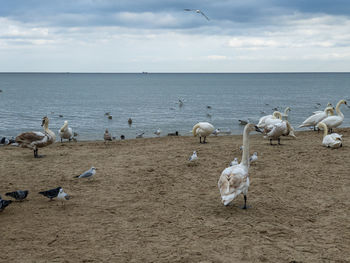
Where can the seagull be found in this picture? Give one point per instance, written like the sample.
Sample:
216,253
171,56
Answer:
52,193
18,195
216,132
234,162
253,158
198,12
140,135
4,203
193,156
88,173
62,196
157,132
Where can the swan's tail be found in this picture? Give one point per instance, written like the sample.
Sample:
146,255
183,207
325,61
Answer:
194,130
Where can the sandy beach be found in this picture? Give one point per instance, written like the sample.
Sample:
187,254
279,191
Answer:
146,203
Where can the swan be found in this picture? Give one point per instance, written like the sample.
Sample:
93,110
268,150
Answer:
202,129
234,180
262,122
276,130
285,114
316,118
333,140
35,140
335,121
65,132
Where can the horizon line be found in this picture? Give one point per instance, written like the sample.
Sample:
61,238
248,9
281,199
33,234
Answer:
148,72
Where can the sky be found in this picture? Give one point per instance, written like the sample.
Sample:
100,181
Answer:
160,36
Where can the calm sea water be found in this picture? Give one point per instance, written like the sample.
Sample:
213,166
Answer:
151,100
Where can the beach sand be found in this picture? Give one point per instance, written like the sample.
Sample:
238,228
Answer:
146,203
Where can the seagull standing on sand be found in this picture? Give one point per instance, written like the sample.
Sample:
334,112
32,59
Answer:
89,173
234,162
198,12
253,158
18,195
216,132
193,157
62,196
157,132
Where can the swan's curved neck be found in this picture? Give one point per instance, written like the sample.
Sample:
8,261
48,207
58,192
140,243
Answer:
337,109
245,154
64,126
325,129
286,111
277,115
47,130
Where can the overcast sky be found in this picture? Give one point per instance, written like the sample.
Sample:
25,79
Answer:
159,36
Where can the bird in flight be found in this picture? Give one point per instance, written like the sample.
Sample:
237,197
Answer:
198,12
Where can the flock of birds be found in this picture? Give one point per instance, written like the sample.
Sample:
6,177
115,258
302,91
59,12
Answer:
234,179
58,192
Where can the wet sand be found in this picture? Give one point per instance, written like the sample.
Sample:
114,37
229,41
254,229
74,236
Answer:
146,203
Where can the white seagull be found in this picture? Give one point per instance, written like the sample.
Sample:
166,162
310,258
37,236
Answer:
198,12
62,196
234,162
253,158
88,173
193,156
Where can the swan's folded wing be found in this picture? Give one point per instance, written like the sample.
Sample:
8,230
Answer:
30,137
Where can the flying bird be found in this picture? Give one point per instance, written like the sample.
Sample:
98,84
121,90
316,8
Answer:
198,12
88,173
18,195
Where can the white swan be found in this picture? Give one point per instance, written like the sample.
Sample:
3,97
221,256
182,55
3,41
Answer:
285,114
35,140
269,119
316,118
202,129
66,132
276,130
234,180
333,140
335,121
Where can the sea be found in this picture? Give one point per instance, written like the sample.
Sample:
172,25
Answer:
167,101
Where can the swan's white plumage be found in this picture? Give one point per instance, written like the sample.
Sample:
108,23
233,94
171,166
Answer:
335,121
202,129
333,140
316,118
234,180
276,117
65,132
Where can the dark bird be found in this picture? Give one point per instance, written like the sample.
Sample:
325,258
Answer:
4,203
198,12
19,195
52,193
130,121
